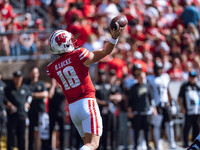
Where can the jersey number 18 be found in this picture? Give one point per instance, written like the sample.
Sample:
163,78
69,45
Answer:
69,74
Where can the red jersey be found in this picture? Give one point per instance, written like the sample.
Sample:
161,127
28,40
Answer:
73,76
117,64
6,11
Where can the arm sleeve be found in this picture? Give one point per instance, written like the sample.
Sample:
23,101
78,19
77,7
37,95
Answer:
83,54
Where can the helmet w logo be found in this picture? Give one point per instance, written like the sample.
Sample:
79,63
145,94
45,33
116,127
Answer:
61,38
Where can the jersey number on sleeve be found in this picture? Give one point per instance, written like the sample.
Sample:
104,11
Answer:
69,74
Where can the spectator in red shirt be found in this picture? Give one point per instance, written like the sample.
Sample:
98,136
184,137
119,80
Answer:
30,3
137,33
41,37
176,72
118,65
89,9
4,42
130,11
71,13
80,29
6,11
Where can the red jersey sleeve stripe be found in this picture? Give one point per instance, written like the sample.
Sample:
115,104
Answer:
84,55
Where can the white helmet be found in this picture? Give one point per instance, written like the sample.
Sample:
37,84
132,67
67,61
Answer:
61,41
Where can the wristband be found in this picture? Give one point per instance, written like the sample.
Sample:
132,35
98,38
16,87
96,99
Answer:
113,41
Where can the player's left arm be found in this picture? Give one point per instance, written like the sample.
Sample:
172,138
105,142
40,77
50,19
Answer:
97,55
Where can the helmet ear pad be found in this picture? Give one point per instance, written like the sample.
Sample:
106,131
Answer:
61,41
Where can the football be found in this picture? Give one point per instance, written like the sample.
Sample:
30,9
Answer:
118,21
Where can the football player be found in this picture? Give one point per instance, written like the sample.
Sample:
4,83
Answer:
160,88
71,72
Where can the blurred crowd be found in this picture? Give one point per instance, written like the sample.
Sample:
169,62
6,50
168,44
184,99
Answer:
164,31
